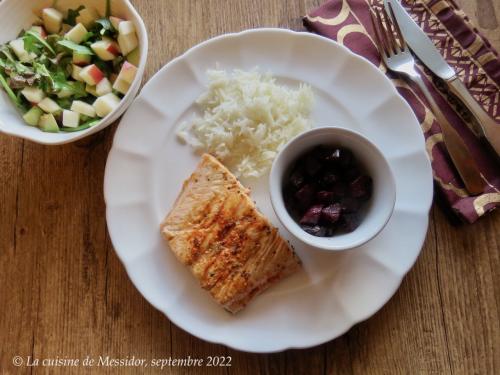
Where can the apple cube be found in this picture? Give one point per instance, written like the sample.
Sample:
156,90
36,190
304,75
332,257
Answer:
134,57
52,20
33,94
70,119
17,46
75,73
115,21
106,104
76,34
64,93
83,108
48,123
49,106
127,72
40,31
87,17
92,75
81,59
127,43
103,87
121,86
126,28
106,49
91,90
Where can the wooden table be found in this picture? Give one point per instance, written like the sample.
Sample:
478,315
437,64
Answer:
64,293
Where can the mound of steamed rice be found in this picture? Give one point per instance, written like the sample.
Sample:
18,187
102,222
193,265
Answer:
247,119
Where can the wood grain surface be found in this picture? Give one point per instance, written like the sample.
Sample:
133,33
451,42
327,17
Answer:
64,293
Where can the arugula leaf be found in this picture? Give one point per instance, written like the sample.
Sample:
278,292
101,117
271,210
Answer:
72,15
77,89
8,90
39,39
106,26
82,50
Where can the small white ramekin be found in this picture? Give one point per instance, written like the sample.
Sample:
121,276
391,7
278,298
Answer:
380,206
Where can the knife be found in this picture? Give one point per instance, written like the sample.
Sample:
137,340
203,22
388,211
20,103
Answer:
425,50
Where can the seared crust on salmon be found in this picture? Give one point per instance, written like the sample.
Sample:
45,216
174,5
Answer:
215,229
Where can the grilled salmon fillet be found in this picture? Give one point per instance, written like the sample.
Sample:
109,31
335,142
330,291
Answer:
215,229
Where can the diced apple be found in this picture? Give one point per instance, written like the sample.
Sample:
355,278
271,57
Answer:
64,93
121,86
48,123
103,87
134,57
81,59
49,106
40,30
91,90
106,104
127,43
126,28
115,21
32,117
75,73
33,94
92,75
70,119
17,46
127,72
77,33
52,20
105,49
87,17
83,108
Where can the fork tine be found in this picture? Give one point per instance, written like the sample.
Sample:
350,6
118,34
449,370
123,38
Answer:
378,39
402,40
382,34
393,44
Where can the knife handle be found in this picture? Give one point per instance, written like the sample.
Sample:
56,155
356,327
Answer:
489,126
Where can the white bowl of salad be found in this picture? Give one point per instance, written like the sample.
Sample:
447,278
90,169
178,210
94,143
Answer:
68,68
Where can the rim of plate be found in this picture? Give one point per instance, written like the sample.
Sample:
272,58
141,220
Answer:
305,342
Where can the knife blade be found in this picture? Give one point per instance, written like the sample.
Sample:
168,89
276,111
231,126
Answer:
429,55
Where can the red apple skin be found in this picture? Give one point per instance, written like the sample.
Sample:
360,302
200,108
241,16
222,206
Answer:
112,48
96,74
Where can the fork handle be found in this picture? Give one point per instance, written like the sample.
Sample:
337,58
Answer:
456,146
489,126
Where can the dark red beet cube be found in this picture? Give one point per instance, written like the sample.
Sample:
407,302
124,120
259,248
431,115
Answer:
305,195
329,179
331,214
297,179
361,187
316,230
325,196
350,205
350,222
312,215
312,166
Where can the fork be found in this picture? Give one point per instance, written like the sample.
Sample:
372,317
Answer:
398,58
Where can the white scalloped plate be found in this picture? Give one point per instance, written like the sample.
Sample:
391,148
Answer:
147,166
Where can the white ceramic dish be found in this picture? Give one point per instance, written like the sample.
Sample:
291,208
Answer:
147,166
16,15
379,208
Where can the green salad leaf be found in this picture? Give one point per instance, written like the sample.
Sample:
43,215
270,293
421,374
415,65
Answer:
8,90
82,50
31,38
106,28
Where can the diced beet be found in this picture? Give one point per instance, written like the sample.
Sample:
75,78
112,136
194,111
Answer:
332,213
350,222
350,205
329,179
361,187
324,196
352,173
312,166
315,230
312,215
346,158
305,195
339,190
297,178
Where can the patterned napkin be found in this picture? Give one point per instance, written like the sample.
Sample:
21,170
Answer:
467,51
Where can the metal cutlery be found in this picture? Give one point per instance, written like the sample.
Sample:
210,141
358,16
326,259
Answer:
398,58
425,50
